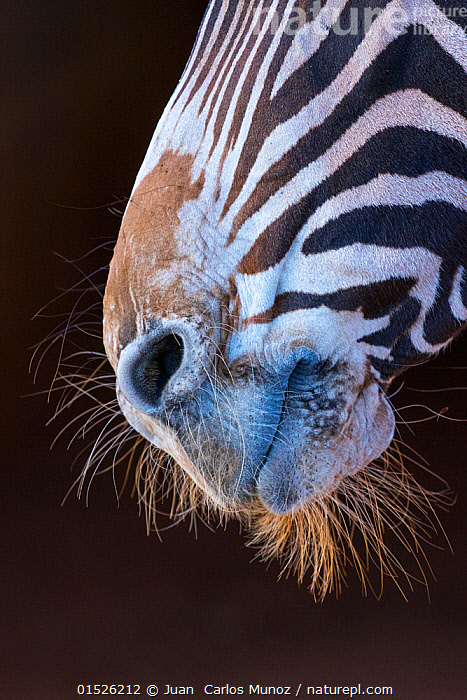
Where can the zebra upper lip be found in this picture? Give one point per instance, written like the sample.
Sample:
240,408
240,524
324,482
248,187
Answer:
296,392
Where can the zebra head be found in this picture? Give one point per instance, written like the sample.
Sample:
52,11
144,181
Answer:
293,241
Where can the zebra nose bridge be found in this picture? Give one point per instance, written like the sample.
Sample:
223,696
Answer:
147,365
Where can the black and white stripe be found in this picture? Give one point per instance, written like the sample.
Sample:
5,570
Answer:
334,164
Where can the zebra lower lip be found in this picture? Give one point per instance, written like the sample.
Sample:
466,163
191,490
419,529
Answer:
277,484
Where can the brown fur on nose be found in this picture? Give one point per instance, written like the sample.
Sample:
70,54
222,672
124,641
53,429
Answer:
148,247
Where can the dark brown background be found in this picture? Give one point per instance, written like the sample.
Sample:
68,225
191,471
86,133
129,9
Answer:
87,597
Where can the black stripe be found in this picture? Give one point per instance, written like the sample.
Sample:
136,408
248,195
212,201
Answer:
400,150
223,66
452,9
245,94
390,369
400,322
409,62
304,84
325,64
437,226
440,323
227,21
264,118
374,300
199,47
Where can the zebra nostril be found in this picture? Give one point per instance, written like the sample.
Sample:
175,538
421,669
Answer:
156,366
145,370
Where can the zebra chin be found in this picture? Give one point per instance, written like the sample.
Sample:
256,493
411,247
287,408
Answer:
256,437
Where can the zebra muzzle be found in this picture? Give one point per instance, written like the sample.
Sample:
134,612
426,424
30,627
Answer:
284,432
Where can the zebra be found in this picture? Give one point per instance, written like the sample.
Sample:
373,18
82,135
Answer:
295,240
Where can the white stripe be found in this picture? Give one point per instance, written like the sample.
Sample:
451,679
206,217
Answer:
166,125
308,39
449,35
297,272
306,42
231,63
287,134
387,190
455,300
199,40
228,167
358,264
406,108
354,265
